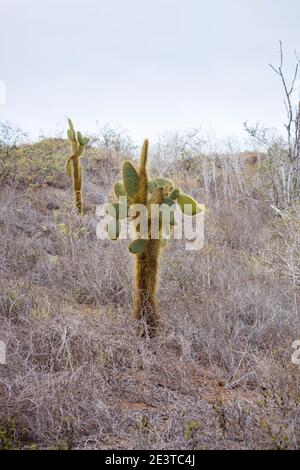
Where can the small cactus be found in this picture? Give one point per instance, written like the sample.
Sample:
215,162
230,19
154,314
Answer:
139,190
78,143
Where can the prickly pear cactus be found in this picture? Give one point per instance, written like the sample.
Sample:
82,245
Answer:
73,165
160,192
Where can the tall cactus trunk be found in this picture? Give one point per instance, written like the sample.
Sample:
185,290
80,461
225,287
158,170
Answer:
77,182
146,267
78,143
146,275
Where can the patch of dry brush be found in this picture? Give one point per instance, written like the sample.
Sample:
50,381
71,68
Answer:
218,375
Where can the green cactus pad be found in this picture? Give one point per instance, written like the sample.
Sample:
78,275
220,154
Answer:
119,189
159,183
168,201
80,150
71,124
138,246
151,186
130,179
80,138
71,135
174,194
113,229
188,205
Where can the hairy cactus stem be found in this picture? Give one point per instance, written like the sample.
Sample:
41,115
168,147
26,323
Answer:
77,182
146,265
78,143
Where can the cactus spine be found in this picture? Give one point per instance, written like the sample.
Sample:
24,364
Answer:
159,192
78,143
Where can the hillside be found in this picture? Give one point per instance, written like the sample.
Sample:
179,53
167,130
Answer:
219,372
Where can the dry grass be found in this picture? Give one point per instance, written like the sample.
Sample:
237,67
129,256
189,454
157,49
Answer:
218,375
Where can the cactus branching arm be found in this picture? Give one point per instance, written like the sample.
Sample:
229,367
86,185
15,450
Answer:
78,143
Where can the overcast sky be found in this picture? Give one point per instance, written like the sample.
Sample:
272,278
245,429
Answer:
147,65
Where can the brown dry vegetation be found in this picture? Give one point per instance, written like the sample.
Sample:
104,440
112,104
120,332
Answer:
219,373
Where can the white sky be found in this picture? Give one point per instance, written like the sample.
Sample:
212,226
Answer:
148,65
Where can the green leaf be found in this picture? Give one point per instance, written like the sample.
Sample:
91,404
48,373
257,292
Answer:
130,179
119,189
188,205
113,229
117,210
85,140
138,246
